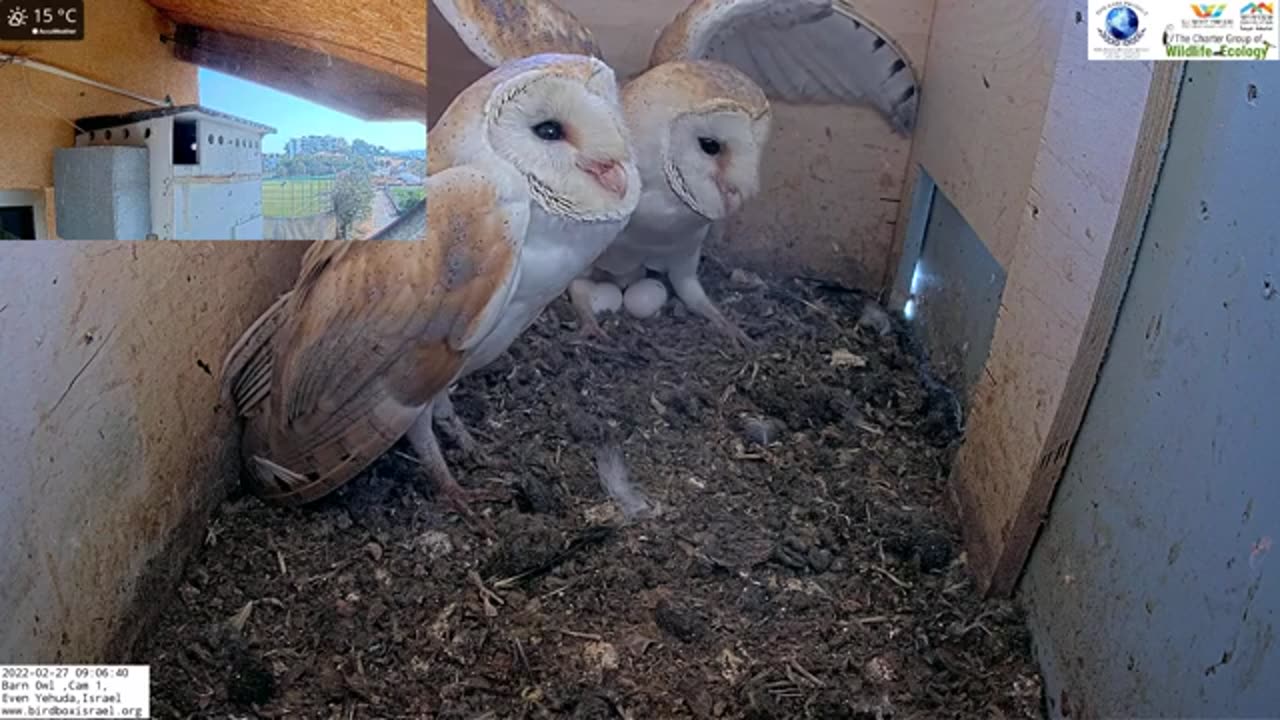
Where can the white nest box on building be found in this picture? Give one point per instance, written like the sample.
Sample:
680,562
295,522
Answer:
180,173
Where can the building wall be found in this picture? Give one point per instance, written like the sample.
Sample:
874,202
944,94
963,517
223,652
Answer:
1154,588
113,444
122,48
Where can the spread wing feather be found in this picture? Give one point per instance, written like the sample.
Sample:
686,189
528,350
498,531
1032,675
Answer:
798,51
497,31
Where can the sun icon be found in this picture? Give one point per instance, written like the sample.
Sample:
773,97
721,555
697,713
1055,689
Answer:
17,17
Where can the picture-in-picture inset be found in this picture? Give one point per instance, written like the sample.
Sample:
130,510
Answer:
184,120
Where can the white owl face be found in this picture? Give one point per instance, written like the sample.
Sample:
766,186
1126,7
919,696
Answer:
565,132
713,160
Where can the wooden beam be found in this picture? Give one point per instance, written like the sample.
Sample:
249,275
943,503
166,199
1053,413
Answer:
341,84
1099,155
388,36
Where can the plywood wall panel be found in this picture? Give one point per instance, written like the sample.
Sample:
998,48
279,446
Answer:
1094,176
982,107
111,436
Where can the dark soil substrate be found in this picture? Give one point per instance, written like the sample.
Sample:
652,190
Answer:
795,554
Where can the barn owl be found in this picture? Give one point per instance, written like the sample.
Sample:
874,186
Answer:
700,115
355,356
565,236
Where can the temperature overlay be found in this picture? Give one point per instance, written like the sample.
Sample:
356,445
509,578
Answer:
75,691
41,20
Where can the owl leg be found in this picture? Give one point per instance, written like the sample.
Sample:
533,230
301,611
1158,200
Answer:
580,291
684,279
436,475
455,431
626,280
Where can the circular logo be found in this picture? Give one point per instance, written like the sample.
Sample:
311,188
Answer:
1122,23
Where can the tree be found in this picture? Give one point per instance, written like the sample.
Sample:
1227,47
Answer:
352,201
290,167
320,166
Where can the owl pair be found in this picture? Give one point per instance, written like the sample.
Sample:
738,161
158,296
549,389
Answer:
543,176
698,119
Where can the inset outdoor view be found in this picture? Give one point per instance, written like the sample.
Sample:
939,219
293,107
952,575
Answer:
324,174
209,119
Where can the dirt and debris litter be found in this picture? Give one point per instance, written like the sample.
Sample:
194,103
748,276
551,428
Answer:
696,533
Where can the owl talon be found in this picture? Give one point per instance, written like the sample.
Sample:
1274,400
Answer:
737,335
745,342
590,333
462,501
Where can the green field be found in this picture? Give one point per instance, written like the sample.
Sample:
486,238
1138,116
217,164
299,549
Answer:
407,197
297,196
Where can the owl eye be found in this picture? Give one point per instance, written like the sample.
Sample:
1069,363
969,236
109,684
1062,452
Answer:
550,130
709,146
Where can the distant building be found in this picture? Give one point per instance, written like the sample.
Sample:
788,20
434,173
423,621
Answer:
409,178
175,173
314,144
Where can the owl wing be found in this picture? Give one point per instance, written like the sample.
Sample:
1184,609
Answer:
497,31
341,366
798,51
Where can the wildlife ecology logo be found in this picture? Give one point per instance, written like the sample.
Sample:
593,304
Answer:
1118,31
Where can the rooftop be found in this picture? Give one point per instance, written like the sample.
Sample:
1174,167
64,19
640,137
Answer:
102,122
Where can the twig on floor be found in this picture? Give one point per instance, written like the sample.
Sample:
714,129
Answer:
521,657
892,577
587,538
487,596
805,674
558,591
874,620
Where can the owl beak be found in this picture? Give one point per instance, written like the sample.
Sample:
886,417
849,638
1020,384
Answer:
608,173
732,196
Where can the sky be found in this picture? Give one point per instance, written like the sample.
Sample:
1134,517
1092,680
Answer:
294,117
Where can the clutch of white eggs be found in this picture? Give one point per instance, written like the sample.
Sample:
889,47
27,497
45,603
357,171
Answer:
642,299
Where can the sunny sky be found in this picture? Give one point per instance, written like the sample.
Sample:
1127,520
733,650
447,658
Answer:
294,117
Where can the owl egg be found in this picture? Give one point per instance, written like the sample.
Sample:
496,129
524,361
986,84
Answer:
645,298
605,298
